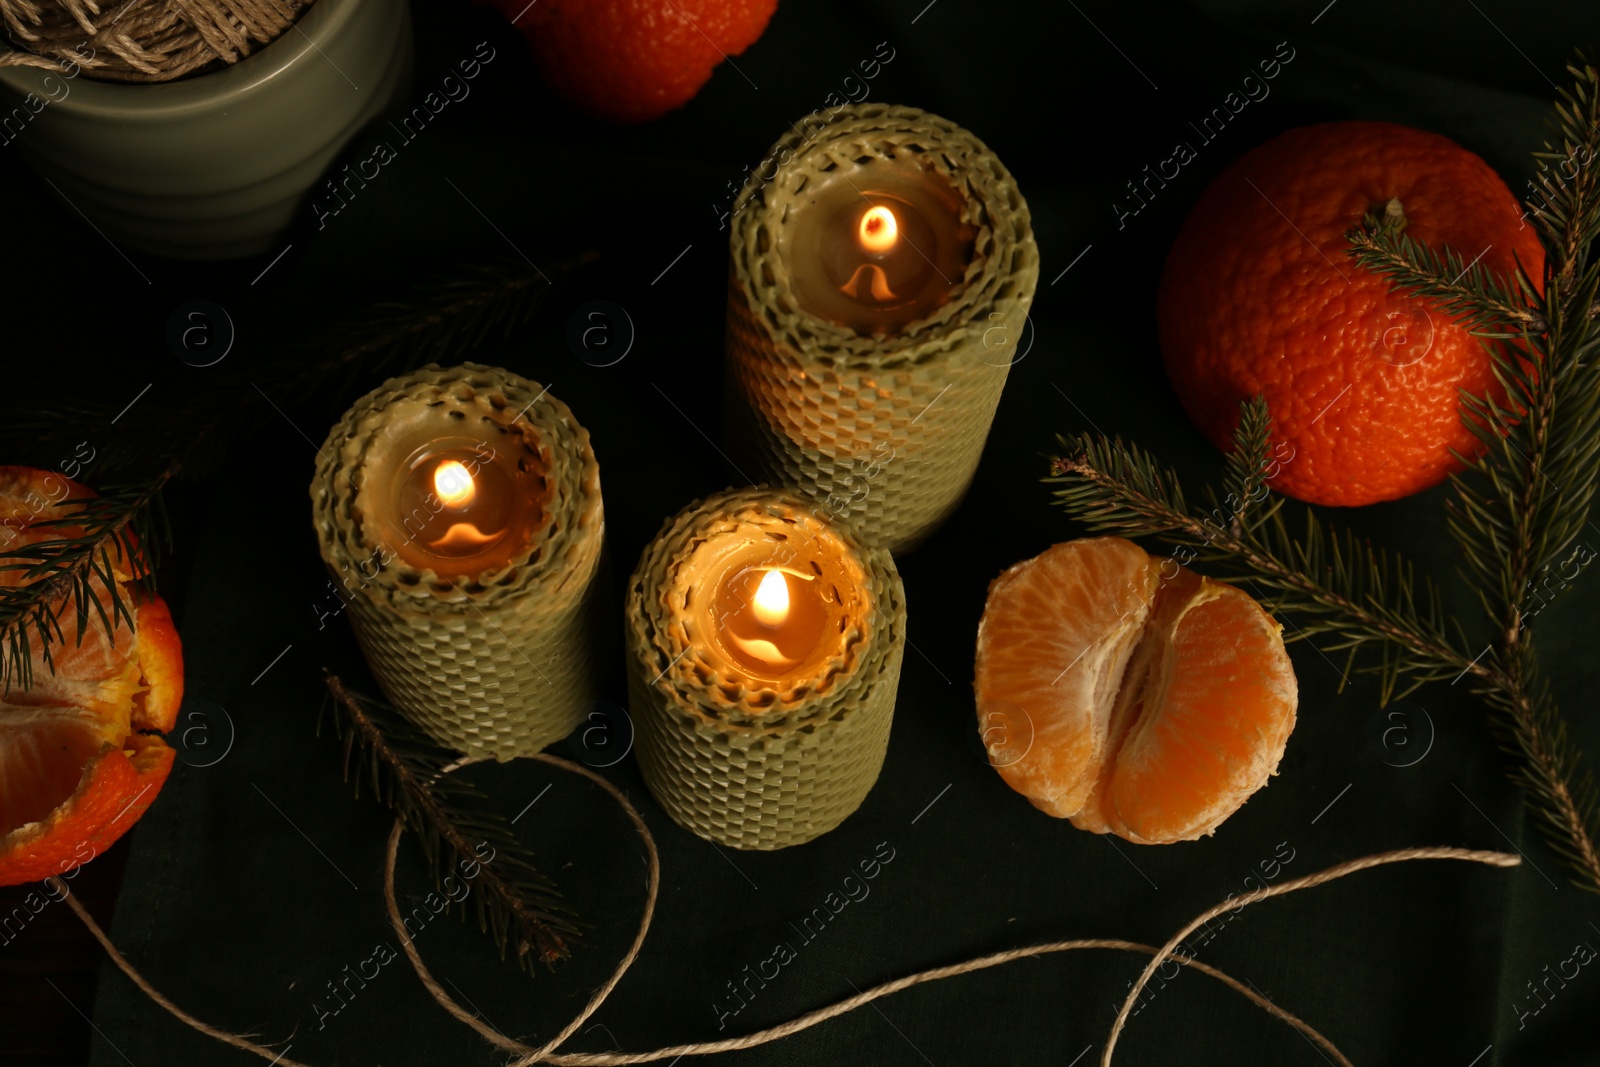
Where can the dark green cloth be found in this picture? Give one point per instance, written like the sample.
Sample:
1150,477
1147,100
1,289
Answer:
255,882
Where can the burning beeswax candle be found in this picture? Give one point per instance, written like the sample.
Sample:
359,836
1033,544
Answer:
880,251
774,620
765,643
459,515
460,506
882,272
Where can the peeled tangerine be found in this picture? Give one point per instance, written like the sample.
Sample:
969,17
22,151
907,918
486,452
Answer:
1129,694
79,761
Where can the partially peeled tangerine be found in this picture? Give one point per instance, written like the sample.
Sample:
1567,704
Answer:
1128,694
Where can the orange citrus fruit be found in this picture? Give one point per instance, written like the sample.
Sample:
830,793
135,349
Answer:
1260,296
1129,694
79,759
633,60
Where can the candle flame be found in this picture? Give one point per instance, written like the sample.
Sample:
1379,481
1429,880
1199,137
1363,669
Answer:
771,603
453,482
879,230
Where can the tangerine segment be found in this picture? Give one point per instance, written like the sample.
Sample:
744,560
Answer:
1156,700
111,789
1142,686
97,671
1220,720
42,756
155,706
1053,644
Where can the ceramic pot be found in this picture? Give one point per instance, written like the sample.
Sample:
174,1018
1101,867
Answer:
215,166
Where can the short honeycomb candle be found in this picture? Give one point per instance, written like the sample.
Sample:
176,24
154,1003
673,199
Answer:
764,650
459,513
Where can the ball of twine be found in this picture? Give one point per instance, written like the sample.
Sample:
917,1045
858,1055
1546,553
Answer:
140,40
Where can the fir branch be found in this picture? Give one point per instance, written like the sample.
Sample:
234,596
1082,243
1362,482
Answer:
74,573
1525,500
1528,497
516,905
1560,790
1466,291
1566,202
1517,507
1117,487
1363,597
1246,478
442,320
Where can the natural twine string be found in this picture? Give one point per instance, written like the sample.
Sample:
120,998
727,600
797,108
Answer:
1493,859
546,1053
140,40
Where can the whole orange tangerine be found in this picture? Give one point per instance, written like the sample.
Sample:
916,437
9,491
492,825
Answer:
1129,694
634,60
80,759
1260,296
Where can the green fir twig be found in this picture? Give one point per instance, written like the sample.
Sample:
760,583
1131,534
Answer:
519,907
441,320
72,575
1517,507
444,322
1362,597
1525,501
1466,291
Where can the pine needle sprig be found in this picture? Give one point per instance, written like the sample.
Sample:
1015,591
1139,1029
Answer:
1565,205
1362,597
74,575
1517,507
1465,291
1116,487
1249,465
441,320
444,321
516,905
1526,499
1546,765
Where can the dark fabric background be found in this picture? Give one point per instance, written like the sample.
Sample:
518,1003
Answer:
256,880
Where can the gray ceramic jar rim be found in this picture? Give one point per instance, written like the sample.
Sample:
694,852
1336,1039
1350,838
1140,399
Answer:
164,101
